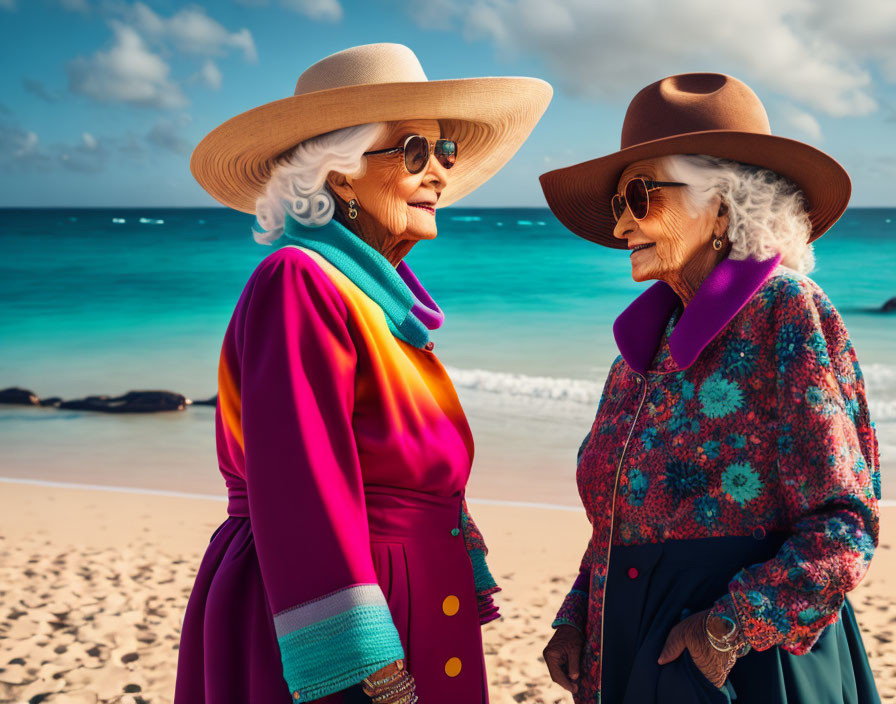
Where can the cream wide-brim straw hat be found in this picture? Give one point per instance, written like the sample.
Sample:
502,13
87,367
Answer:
489,118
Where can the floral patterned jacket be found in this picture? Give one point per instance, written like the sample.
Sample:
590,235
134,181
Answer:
745,413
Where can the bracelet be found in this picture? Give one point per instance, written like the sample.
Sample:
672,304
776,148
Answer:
728,642
382,685
745,642
383,695
404,694
410,698
401,690
376,684
404,686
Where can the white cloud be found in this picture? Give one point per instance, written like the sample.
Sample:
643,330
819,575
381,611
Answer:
37,88
165,134
820,54
133,70
434,13
193,31
329,10
28,144
864,28
804,123
22,149
88,155
129,73
75,5
326,10
209,74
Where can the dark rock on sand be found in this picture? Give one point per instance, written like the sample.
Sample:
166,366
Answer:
52,401
213,401
131,402
889,306
20,397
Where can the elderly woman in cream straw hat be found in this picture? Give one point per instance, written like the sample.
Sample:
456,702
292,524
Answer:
348,569
731,475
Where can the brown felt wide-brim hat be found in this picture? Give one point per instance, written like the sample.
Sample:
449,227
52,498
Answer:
694,113
489,118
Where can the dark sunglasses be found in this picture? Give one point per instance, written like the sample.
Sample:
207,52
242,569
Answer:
635,196
417,150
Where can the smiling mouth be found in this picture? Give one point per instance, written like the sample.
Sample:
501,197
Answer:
428,207
639,247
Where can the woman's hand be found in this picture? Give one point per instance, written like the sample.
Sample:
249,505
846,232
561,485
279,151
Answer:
690,634
563,655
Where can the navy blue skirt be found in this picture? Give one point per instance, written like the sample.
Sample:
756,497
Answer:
674,579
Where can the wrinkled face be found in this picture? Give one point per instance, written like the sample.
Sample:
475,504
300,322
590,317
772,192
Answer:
671,235
403,203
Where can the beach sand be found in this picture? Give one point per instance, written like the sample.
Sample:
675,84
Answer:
93,587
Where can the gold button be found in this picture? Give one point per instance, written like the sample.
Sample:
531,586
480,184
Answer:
452,667
451,605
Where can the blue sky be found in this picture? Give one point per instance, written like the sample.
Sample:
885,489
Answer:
102,101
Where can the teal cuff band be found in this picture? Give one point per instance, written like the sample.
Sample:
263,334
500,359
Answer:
482,577
340,650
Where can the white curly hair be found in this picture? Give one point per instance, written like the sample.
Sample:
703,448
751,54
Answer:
298,180
766,211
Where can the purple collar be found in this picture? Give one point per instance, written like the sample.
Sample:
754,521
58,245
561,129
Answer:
425,309
639,328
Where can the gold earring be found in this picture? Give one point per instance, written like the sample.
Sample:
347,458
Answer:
352,209
717,243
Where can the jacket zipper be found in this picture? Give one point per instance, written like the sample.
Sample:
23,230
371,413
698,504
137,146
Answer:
603,602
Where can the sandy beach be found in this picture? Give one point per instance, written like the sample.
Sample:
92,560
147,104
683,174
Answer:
93,586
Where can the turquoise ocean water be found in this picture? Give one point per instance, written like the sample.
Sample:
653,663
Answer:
108,300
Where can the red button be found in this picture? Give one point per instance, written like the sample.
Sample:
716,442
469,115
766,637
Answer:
632,572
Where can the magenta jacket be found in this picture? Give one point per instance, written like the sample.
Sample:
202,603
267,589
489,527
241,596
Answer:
341,437
742,415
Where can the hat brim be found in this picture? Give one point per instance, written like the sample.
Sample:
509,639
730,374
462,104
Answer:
580,195
490,118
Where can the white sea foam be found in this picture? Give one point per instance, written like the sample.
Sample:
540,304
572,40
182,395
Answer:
151,221
535,387
119,221
880,380
466,218
882,410
880,383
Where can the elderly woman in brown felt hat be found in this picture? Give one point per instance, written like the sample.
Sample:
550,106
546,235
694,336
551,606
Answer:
731,475
348,569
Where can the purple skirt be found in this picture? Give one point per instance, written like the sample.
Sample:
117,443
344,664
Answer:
229,650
